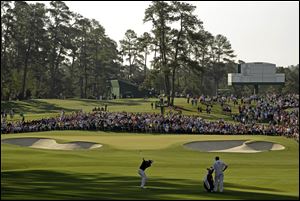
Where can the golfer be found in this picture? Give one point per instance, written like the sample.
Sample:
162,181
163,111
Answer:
145,164
219,167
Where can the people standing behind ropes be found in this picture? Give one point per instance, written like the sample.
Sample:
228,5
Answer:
100,109
269,109
62,115
208,109
11,113
3,114
149,122
226,108
195,101
188,98
280,123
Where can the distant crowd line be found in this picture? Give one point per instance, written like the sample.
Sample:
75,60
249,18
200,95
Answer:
143,122
271,108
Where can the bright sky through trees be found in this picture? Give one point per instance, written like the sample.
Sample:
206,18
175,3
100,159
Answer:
258,31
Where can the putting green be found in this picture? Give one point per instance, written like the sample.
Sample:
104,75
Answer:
111,171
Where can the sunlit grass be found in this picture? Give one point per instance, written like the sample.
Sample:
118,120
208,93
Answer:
47,108
110,172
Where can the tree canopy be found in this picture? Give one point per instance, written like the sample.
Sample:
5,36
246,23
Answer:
53,52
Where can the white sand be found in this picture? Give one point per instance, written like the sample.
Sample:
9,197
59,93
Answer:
45,143
240,149
277,147
214,145
237,146
234,146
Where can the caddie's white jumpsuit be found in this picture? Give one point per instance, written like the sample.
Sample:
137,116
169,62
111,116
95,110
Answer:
219,176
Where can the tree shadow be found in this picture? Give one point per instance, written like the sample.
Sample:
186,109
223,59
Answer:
126,102
34,106
44,184
180,107
44,106
41,106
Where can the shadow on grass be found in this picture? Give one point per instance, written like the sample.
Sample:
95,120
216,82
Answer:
33,106
41,184
180,107
41,106
126,102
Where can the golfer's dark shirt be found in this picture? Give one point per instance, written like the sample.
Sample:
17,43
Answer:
145,164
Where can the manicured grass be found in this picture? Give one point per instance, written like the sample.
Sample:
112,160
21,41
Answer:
45,108
110,172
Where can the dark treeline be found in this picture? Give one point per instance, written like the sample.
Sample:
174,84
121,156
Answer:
52,52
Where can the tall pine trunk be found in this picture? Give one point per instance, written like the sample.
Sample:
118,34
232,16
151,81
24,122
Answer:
85,80
173,86
175,64
27,55
145,64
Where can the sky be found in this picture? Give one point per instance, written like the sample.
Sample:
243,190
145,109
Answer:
259,31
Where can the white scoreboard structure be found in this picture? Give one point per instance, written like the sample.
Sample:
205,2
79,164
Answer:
256,73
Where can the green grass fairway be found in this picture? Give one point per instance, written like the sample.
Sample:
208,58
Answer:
45,108
110,172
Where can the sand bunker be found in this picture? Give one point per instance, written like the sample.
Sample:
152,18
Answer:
238,146
46,143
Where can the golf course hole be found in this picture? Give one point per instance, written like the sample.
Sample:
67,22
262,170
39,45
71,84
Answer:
237,146
46,143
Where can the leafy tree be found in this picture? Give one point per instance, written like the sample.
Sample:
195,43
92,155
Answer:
49,52
159,14
145,45
221,54
7,29
188,24
58,29
130,49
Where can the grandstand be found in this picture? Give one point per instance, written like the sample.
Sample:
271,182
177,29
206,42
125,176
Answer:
256,73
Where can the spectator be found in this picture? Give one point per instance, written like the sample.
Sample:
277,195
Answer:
11,113
280,121
199,109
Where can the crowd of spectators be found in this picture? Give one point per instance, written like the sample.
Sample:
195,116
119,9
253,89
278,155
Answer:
271,107
145,122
